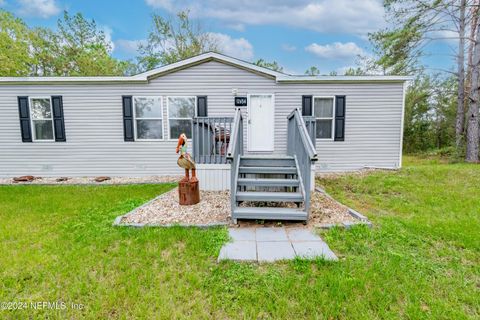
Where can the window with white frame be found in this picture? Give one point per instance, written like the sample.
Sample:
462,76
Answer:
148,118
324,113
42,119
181,110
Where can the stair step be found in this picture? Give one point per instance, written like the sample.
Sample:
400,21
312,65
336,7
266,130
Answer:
269,196
267,162
260,156
269,213
268,182
273,170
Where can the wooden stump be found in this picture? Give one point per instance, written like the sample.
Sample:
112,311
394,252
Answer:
188,193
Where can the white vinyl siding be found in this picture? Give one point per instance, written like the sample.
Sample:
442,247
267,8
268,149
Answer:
148,118
41,115
94,123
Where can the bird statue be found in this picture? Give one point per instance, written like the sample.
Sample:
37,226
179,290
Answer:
185,161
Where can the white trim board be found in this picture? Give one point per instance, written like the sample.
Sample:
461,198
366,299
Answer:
402,127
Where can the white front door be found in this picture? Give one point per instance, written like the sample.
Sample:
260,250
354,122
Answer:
261,120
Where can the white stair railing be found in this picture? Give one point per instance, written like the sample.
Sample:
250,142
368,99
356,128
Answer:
235,150
300,146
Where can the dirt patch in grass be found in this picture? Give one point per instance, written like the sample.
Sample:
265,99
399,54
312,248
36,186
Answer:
214,208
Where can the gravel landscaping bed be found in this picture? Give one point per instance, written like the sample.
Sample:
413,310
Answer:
214,208
91,180
324,210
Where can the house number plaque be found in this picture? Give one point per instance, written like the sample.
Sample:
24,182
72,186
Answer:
240,101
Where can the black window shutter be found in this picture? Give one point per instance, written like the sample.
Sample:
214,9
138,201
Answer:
24,112
58,120
128,118
202,107
307,106
340,118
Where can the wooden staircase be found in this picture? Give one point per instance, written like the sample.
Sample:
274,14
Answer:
272,187
269,187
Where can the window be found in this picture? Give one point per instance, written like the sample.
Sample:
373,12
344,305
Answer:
323,111
181,110
42,119
148,118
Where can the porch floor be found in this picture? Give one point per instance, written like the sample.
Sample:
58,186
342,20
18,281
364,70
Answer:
272,244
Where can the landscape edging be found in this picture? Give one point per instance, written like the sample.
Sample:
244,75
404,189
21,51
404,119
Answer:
363,220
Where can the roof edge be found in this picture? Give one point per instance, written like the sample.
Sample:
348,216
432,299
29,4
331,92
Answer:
205,57
68,80
146,76
373,78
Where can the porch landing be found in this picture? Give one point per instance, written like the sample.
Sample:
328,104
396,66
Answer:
273,244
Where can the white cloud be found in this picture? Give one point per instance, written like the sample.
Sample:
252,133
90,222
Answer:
107,31
38,8
447,36
239,48
235,47
336,50
164,4
295,71
128,46
237,27
288,47
335,16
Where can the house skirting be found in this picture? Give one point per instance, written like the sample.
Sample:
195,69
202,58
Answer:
214,177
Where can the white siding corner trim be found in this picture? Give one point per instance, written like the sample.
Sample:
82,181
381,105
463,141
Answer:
402,127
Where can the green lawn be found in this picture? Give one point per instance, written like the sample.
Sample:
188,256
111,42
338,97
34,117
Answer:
421,259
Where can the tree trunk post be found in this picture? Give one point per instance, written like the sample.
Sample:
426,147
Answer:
188,193
472,114
460,118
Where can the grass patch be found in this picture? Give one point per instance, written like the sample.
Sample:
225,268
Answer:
420,261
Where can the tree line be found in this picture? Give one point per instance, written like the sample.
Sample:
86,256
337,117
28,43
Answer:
442,105
77,48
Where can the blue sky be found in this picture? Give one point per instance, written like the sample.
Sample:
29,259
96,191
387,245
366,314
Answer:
329,34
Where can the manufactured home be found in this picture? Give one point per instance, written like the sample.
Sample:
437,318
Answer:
251,129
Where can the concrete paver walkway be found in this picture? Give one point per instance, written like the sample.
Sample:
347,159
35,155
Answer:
272,244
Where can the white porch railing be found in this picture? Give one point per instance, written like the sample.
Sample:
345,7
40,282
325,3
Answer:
211,139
